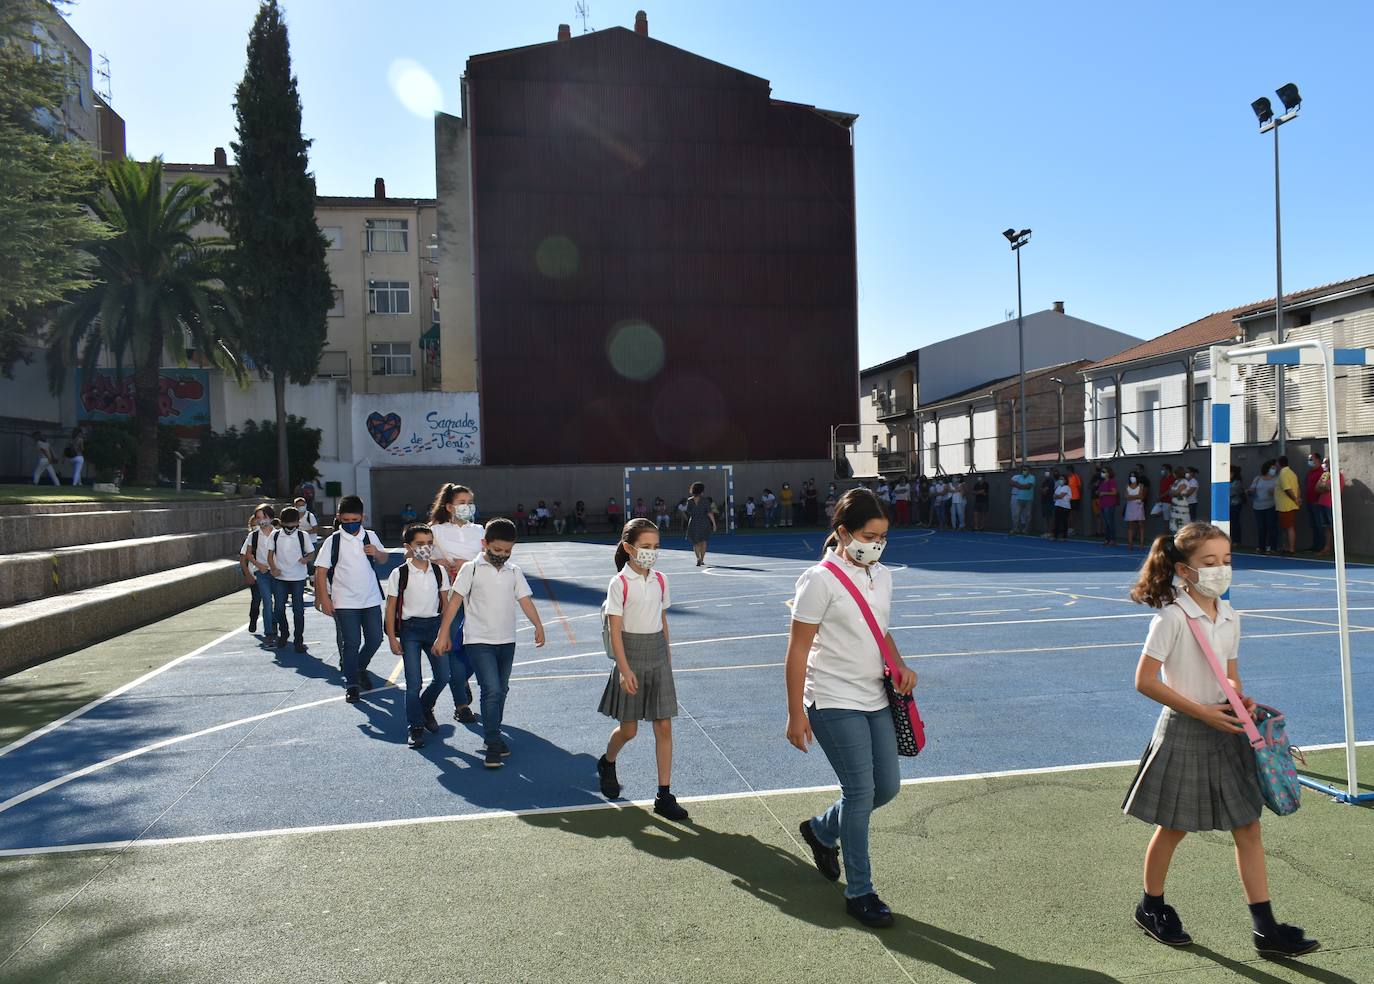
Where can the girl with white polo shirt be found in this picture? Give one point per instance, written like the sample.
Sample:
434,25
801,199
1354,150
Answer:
457,540
835,693
641,684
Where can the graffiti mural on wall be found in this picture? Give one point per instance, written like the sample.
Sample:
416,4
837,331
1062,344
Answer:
183,395
416,429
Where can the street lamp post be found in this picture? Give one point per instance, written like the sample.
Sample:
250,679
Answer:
1017,240
1264,111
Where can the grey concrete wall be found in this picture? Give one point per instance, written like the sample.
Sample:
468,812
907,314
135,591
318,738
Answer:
49,531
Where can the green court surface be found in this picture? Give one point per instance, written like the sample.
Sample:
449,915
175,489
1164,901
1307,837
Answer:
1022,878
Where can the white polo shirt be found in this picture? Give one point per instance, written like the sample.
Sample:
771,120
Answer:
844,667
355,579
457,544
489,597
264,545
639,600
1063,496
1171,642
422,591
286,544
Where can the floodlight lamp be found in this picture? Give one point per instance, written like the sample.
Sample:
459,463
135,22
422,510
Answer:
1290,97
1010,234
1264,110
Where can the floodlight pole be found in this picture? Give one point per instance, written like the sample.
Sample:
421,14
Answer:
1021,349
1282,371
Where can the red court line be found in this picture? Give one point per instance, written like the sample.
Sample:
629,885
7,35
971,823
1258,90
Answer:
548,589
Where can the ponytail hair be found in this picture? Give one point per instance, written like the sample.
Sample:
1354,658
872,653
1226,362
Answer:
441,512
855,510
628,536
1155,584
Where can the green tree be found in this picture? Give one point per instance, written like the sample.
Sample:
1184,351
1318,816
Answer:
281,276
45,180
157,288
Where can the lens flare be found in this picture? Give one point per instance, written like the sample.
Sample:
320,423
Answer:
556,257
416,89
635,350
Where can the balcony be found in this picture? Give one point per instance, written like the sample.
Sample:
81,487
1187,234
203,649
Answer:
892,407
893,461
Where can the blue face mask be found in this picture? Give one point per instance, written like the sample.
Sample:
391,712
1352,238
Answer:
352,528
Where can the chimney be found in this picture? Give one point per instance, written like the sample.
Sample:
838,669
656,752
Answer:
1058,307
564,32
220,159
379,189
641,23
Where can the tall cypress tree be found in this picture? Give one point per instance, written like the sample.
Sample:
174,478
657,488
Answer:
269,211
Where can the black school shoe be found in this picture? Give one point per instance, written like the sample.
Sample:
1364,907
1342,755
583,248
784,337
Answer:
827,858
431,722
870,910
351,695
667,807
610,782
416,738
300,647
464,715
1285,941
1163,925
491,758
364,680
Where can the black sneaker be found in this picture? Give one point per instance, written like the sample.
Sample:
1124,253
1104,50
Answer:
464,715
869,910
501,747
300,647
351,695
364,680
827,858
491,758
431,722
610,782
252,625
416,738
667,807
1285,941
1163,925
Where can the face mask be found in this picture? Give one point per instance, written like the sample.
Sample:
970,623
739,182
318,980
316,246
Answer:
1102,475
424,552
465,512
1311,462
497,560
1213,581
646,556
265,523
1273,472
865,553
289,527
1134,480
353,527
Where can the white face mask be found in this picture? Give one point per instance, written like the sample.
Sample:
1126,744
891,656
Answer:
646,556
424,552
465,512
265,523
1213,581
865,553
1272,472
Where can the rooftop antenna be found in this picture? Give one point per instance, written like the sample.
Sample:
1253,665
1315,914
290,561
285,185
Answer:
582,12
102,74
1011,313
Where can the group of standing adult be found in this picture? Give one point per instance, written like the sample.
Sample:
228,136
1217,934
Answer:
1277,497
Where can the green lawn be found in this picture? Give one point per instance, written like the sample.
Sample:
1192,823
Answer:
18,495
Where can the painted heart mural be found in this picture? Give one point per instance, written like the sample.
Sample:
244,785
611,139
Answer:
384,429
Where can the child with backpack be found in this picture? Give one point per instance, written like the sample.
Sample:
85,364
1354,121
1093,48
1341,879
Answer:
1198,771
641,684
291,550
346,590
457,540
488,590
414,596
256,563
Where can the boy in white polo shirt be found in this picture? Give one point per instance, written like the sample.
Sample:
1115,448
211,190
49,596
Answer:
291,549
414,596
488,589
346,590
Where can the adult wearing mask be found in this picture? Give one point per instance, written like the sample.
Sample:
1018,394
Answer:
812,503
1048,484
1288,503
1022,496
1106,500
1310,495
1324,505
701,521
1262,490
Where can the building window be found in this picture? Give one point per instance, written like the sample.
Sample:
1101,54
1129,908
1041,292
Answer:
337,310
391,359
1106,424
1147,433
1202,418
388,297
335,236
387,235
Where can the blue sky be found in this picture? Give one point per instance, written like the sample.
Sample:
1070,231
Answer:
1120,133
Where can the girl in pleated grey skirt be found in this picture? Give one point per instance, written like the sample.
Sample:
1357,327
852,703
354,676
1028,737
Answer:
640,687
1198,771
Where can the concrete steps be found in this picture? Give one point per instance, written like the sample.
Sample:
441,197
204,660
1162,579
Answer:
36,631
49,529
44,573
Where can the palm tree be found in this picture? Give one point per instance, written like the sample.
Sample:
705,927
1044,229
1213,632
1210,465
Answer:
157,289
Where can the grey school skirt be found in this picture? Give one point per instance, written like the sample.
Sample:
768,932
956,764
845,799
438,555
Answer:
1194,777
647,654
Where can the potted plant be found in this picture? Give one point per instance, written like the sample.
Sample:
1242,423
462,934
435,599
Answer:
250,485
227,484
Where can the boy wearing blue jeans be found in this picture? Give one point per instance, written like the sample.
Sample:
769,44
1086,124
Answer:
489,589
414,600
346,590
292,549
256,563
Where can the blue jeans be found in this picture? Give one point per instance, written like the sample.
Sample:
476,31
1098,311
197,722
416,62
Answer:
268,593
492,664
862,749
459,669
359,633
1267,523
1020,515
296,591
1109,522
417,637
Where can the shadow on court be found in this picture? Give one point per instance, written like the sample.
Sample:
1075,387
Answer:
538,774
779,878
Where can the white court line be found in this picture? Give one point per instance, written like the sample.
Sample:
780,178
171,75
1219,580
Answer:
581,808
54,725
